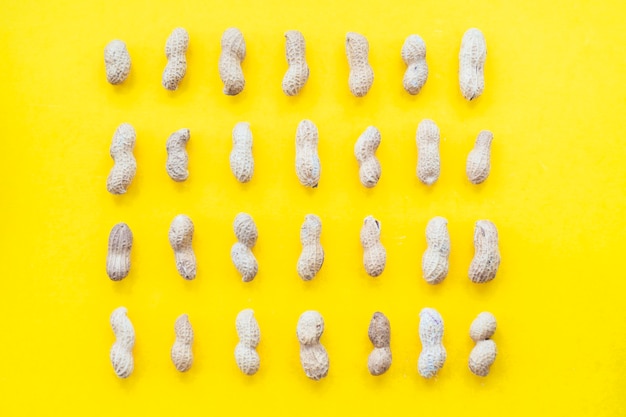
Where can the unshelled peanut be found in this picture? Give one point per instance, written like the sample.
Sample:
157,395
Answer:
313,355
122,350
308,166
298,72
374,254
472,64
364,150
435,262
180,236
483,355
181,353
379,361
433,354
118,256
361,75
246,356
312,256
428,159
177,158
175,50
233,53
479,158
124,164
116,62
241,252
486,260
414,56
241,160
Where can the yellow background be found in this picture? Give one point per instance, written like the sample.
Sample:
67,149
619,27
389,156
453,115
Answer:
555,99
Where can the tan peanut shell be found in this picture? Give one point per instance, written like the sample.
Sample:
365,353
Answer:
486,260
414,56
433,354
479,158
116,62
428,159
435,262
118,256
374,254
241,252
298,72
175,50
181,353
122,350
361,75
246,356
177,157
308,166
241,160
472,63
124,164
483,355
379,332
180,236
364,151
313,355
233,53
312,256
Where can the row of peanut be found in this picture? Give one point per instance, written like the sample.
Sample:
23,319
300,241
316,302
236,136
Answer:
308,167
472,57
313,355
435,261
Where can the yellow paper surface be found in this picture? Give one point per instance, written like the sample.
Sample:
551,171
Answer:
554,99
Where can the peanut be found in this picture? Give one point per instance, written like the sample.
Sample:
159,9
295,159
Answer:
241,253
298,72
175,49
483,355
312,256
428,160
116,62
379,333
122,350
182,355
241,160
486,260
478,160
124,164
249,334
472,63
414,56
361,75
118,257
308,166
435,260
364,150
313,355
433,354
233,53
374,254
177,157
180,236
